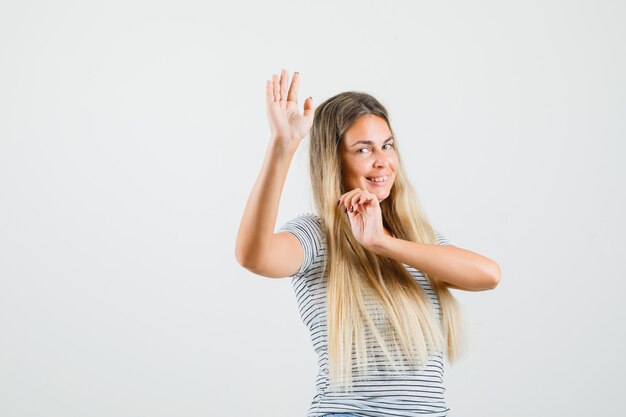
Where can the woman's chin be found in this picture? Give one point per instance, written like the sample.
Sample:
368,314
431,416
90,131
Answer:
381,194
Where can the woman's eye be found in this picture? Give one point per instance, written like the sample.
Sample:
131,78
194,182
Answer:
390,146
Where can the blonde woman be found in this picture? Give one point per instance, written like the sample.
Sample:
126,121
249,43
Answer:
370,274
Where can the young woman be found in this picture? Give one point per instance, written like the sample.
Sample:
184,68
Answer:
371,275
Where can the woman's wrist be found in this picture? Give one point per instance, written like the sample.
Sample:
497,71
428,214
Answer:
381,245
283,147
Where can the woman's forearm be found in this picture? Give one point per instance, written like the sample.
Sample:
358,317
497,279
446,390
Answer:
463,269
259,216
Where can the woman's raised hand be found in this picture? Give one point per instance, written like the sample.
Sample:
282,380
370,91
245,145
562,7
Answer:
287,125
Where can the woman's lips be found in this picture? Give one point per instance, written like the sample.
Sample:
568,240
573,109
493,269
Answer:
378,183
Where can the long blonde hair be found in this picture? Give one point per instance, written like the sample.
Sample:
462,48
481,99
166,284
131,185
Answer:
373,302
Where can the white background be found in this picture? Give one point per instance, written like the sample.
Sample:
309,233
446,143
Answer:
131,133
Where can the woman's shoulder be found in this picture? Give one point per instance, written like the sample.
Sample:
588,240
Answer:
307,218
307,227
308,221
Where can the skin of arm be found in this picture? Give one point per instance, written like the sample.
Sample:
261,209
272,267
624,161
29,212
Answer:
288,127
259,216
459,268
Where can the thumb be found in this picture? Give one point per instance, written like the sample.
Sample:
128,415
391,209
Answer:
308,107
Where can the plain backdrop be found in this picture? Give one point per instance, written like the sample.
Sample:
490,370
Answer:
131,134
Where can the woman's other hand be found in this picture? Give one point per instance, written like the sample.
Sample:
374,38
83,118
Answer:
287,125
366,220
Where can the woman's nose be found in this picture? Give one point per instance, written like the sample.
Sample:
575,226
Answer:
381,161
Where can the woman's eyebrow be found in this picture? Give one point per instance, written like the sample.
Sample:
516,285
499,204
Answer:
369,142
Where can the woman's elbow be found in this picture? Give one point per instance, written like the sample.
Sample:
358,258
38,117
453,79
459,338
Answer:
494,274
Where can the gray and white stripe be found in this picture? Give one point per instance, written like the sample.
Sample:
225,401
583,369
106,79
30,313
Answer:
410,393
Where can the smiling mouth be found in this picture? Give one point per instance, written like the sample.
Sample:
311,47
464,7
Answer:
378,180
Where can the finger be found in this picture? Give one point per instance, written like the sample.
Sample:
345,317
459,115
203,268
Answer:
293,89
276,87
344,198
352,200
269,92
284,78
360,201
344,202
364,197
372,197
309,110
359,204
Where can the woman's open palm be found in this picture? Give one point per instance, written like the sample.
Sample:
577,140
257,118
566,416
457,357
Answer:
285,122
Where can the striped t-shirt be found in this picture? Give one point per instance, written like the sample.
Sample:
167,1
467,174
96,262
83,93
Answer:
407,394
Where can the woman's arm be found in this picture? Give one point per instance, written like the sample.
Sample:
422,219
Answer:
288,128
259,217
460,268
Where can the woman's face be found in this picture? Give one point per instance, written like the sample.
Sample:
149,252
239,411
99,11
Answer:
368,152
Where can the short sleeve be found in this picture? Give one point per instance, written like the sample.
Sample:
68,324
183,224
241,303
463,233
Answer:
308,229
441,240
